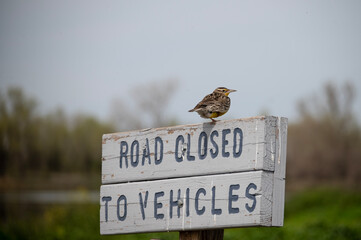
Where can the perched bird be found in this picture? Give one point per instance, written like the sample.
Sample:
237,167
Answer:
215,104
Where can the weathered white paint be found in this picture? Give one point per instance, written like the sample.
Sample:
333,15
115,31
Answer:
261,162
260,195
279,175
259,151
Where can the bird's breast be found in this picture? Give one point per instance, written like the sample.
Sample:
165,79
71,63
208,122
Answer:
216,114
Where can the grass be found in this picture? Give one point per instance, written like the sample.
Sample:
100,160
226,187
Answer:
318,214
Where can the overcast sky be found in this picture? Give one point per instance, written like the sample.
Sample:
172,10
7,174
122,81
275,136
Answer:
81,55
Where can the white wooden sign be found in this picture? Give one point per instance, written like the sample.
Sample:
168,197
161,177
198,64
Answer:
204,176
200,149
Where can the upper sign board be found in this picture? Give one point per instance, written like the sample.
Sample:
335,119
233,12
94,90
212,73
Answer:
192,150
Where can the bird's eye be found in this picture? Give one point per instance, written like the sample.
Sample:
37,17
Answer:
224,90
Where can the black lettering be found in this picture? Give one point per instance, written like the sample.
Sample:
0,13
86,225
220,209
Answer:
158,205
123,154
232,198
237,131
122,198
214,153
174,203
135,144
143,204
251,196
146,152
196,201
106,200
157,160
205,139
187,202
225,142
180,138
215,211
189,156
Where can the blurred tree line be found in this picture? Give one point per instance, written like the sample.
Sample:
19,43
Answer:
36,146
147,108
31,143
324,144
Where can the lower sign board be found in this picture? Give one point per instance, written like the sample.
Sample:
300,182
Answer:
206,202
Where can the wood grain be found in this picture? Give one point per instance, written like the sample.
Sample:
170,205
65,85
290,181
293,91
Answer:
142,149
197,179
206,202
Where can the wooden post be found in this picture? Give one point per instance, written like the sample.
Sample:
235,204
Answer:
216,234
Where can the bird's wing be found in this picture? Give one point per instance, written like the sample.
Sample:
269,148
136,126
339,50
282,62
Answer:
206,101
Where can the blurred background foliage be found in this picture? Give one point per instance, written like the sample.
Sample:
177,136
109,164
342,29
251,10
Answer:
37,146
324,145
52,151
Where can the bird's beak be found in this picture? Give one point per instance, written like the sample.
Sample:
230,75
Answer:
231,90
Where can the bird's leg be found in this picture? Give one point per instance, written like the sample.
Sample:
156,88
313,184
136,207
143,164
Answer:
214,121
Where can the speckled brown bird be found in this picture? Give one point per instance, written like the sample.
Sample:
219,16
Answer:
215,104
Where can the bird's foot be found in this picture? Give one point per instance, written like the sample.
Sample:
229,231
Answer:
213,121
